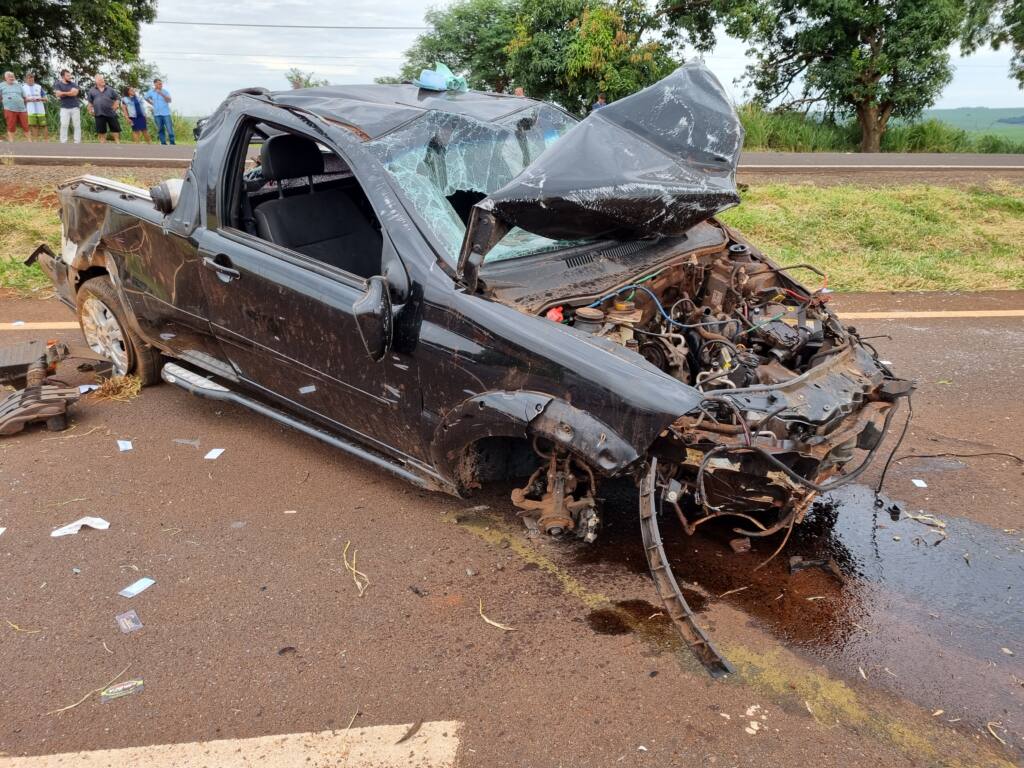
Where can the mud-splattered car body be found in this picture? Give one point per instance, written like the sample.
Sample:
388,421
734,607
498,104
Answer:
538,296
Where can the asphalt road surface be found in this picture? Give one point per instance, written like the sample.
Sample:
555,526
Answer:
255,626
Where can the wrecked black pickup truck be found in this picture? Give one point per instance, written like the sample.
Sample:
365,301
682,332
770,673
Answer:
463,287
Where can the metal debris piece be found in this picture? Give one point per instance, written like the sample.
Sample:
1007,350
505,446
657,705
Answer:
667,586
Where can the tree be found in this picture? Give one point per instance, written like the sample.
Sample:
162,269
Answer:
606,54
997,23
83,35
299,79
875,59
470,37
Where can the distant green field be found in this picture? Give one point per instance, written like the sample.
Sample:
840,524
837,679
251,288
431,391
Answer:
980,120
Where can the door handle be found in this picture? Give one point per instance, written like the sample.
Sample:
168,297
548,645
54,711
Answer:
225,272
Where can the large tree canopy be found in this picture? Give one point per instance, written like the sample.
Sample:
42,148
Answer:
565,51
877,59
87,36
997,23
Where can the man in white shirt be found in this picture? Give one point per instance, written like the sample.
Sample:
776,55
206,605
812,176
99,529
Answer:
35,100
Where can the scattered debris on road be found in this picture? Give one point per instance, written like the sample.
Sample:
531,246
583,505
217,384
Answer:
362,581
493,623
86,522
16,628
124,445
919,483
214,453
413,730
119,690
120,389
128,622
91,693
136,587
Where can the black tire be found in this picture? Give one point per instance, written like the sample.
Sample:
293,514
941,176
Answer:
139,359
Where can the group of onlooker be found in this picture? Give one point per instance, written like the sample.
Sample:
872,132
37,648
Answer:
25,107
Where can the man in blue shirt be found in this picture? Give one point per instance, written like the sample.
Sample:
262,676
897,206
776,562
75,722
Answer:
161,99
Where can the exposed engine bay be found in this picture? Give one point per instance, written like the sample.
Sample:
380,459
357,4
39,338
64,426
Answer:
791,396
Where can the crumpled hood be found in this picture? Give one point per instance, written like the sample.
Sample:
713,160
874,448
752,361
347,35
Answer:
654,163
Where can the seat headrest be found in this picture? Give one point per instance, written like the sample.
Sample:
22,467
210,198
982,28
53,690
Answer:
288,157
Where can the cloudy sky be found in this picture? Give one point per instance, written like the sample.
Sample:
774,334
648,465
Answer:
203,63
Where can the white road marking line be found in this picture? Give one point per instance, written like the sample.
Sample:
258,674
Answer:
38,326
935,314
433,746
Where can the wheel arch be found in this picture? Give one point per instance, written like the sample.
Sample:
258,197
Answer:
520,417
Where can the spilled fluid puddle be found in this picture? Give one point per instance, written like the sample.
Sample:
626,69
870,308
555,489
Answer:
894,604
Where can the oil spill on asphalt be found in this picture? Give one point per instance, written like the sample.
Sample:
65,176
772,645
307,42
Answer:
924,618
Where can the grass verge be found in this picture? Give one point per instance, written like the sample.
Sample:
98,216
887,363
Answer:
23,226
898,238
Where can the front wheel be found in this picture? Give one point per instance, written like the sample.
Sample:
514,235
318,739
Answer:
102,319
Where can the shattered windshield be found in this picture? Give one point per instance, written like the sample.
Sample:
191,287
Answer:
446,163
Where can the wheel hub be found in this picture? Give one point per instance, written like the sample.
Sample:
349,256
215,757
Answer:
103,334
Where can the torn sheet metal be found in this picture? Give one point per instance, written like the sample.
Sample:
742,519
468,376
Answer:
654,163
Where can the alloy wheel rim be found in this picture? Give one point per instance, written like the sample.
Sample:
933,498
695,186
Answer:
104,335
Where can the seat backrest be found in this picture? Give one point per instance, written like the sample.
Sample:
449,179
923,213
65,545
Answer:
287,156
327,226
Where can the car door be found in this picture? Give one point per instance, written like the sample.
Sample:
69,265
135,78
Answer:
286,325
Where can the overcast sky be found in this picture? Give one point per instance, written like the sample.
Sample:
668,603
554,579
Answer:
202,64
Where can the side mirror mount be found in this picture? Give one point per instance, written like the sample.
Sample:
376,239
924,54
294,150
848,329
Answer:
374,318
165,195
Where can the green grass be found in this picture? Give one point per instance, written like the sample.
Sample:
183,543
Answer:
901,238
898,238
795,132
23,226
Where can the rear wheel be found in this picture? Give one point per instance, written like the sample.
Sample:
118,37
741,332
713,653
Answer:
102,319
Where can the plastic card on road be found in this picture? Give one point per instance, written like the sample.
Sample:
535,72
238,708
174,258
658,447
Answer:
214,453
121,689
92,522
133,589
128,621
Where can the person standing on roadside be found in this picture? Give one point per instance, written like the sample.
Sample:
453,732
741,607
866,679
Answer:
35,100
70,106
135,113
103,104
15,110
161,100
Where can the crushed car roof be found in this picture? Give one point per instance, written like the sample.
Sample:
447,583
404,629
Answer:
378,109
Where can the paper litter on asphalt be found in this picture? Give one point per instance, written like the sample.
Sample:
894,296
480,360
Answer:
91,522
124,445
919,483
214,453
133,589
2,531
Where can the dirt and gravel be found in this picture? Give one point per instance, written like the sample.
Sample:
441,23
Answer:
255,627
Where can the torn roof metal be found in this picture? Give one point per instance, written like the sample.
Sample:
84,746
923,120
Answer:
377,109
